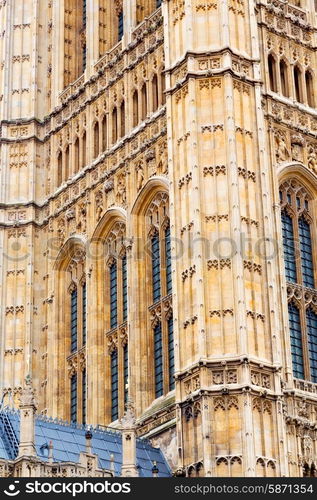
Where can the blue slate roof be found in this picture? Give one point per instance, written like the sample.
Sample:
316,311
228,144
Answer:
69,440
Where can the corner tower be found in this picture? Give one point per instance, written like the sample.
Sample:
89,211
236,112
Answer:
229,346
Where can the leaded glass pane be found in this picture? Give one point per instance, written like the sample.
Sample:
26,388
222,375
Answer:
158,360
156,268
113,296
73,399
126,372
120,26
168,260
73,320
306,253
289,247
124,288
171,360
296,341
84,396
311,318
84,311
114,386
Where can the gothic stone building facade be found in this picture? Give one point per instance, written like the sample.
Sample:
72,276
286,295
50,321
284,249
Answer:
158,223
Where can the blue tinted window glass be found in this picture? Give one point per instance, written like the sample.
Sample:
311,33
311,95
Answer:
124,288
306,252
168,260
113,296
73,320
289,247
84,311
296,341
84,396
114,386
311,319
120,26
158,360
171,360
156,268
126,372
73,399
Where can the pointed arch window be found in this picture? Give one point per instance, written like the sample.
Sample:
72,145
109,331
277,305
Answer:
135,102
120,26
122,119
116,315
161,278
84,150
297,231
76,155
104,133
96,140
67,163
272,73
284,78
298,84
154,93
144,101
114,125
310,89
163,87
59,169
73,312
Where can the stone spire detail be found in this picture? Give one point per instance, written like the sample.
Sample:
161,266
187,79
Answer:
27,419
128,423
